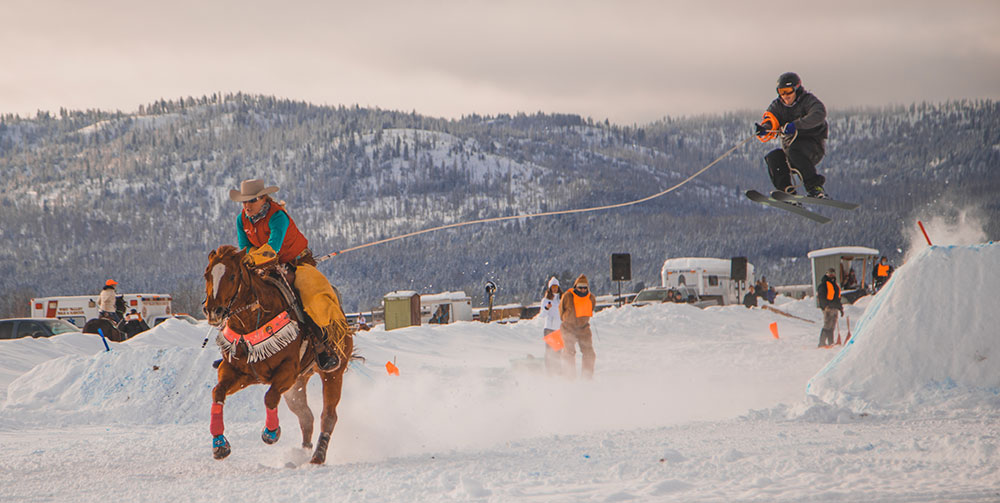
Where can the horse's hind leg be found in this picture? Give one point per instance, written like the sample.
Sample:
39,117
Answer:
299,404
333,383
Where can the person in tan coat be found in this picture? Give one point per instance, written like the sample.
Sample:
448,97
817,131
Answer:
575,310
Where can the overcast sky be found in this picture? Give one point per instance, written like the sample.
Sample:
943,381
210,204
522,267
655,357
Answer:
629,61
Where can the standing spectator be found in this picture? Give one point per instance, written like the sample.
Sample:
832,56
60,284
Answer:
106,302
134,324
575,310
760,289
851,282
771,294
550,315
750,299
362,322
881,273
828,294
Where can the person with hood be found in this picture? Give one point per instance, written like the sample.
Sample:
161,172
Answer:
575,310
106,302
801,119
550,317
828,294
269,236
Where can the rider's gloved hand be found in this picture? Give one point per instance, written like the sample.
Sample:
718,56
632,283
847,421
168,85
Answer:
789,128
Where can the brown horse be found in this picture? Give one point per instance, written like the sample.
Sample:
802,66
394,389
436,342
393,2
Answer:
263,342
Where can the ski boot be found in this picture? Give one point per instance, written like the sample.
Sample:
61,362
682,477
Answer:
817,192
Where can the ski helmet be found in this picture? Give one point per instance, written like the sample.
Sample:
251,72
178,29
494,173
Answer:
789,79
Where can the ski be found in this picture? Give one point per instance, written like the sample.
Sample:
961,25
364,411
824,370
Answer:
833,203
755,196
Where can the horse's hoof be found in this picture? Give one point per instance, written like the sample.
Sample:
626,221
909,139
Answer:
270,437
220,447
307,445
319,457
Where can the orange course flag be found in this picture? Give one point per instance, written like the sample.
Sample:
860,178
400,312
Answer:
391,369
774,329
554,340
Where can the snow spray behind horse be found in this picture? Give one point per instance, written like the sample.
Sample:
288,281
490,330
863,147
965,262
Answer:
263,341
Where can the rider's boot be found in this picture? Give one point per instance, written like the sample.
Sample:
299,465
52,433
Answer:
326,357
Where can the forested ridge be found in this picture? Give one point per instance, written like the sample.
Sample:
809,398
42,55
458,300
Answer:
143,197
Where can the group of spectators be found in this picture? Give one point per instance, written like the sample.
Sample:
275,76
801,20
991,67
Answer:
759,290
569,313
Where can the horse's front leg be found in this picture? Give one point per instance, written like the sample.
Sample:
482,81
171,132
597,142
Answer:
299,404
229,383
333,383
281,383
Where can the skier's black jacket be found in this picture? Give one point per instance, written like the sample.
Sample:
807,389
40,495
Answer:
808,113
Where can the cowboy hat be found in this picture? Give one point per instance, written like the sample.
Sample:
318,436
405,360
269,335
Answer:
250,189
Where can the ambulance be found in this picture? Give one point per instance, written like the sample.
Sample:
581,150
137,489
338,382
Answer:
78,309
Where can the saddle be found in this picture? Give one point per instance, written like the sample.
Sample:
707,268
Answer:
282,277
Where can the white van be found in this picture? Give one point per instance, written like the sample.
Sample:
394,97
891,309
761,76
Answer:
78,309
709,276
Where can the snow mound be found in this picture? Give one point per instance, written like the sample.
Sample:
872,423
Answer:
927,339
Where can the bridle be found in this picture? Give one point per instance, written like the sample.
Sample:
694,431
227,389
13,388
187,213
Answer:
228,312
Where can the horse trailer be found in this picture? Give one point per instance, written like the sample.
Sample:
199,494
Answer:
78,309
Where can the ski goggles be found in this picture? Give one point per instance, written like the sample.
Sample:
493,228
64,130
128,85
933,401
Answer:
786,91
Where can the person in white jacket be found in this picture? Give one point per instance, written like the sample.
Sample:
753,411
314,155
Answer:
550,316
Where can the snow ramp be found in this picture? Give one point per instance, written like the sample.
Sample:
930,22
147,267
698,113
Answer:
929,338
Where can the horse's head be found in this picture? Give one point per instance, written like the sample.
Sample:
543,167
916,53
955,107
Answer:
225,273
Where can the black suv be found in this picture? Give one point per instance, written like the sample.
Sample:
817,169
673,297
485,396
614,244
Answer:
16,328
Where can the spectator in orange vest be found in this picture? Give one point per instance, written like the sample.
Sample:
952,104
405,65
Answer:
881,273
575,310
828,293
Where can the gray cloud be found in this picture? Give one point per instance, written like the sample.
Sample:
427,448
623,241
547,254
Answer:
630,61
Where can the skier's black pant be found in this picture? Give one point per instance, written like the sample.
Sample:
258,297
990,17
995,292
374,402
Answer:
803,154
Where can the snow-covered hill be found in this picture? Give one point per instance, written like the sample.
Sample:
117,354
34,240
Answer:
686,405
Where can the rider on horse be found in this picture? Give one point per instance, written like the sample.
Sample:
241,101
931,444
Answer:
270,236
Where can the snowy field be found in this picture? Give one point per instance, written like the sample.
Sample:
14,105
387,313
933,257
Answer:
686,405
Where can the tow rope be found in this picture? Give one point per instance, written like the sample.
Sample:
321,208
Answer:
544,214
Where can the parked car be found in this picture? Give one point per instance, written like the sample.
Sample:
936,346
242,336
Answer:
16,328
681,294
180,316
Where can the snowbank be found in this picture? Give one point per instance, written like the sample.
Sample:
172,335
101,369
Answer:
929,338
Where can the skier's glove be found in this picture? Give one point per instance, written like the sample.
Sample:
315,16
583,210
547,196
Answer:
789,128
759,129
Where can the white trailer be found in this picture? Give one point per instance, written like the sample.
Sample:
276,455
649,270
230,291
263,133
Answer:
78,309
445,307
709,276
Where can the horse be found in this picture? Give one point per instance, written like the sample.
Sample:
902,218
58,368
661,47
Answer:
262,342
108,327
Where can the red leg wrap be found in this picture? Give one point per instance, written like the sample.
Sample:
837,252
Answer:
217,427
272,419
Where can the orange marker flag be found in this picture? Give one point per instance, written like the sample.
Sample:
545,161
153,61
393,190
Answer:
554,340
391,369
774,329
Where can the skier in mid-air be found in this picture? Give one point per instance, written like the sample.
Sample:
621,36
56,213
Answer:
801,119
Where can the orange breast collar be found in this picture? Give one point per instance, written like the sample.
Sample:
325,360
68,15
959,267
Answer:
267,340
